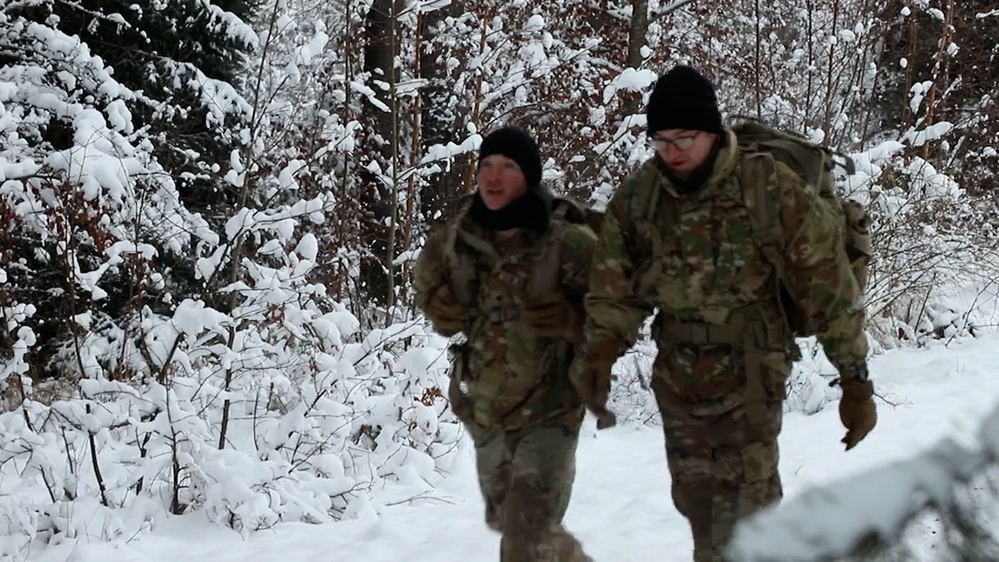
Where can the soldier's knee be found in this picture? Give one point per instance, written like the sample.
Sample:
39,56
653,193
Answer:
710,554
770,491
679,500
693,482
494,519
730,482
529,545
523,525
760,483
759,461
694,497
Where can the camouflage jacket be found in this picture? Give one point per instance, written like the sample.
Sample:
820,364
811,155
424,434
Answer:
515,377
696,262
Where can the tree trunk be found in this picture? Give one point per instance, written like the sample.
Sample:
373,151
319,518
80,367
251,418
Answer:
437,126
375,195
638,29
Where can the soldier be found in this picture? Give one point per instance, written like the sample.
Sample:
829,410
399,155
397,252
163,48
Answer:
678,237
510,272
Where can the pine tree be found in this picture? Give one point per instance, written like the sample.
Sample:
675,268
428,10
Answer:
173,52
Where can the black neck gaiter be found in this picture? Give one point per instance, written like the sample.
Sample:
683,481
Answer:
531,211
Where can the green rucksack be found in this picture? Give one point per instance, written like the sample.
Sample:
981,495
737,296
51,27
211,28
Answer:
815,164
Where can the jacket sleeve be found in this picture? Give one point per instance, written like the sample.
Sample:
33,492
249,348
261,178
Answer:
819,275
613,313
575,260
578,245
430,273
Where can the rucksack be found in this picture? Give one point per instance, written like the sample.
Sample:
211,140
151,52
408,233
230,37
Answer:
544,277
815,164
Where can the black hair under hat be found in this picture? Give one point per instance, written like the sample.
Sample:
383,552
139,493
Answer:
534,209
517,145
683,99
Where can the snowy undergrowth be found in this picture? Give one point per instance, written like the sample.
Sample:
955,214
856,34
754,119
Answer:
152,362
313,434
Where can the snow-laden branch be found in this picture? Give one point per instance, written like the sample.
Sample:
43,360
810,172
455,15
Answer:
874,507
672,8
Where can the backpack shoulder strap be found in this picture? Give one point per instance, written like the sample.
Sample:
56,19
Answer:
645,202
544,276
758,188
462,270
760,191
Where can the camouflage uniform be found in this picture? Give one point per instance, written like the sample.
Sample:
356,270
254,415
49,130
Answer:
725,350
522,412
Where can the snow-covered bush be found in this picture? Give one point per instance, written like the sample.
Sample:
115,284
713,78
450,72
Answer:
153,361
926,246
254,435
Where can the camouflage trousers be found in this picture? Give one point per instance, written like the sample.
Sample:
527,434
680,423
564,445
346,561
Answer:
723,468
526,479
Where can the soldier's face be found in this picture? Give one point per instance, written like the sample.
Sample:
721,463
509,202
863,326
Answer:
500,181
683,150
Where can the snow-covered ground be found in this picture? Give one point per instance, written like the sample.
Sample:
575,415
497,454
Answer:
621,507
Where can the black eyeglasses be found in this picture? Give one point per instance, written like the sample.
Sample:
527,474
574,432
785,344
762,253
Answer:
681,143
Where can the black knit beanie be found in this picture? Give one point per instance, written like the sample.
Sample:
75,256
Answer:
533,209
683,99
517,145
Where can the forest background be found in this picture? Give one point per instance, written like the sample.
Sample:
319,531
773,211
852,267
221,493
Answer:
209,212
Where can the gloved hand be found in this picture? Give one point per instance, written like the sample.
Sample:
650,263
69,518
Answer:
590,373
553,316
446,313
857,411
